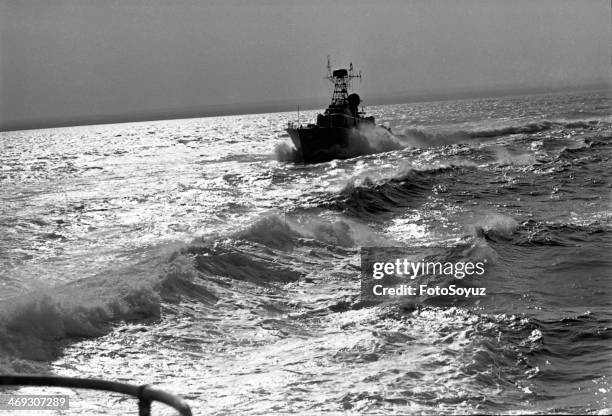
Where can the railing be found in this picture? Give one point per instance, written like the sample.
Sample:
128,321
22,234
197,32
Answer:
144,393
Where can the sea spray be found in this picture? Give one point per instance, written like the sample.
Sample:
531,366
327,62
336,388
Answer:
285,152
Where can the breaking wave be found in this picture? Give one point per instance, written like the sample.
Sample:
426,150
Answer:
33,326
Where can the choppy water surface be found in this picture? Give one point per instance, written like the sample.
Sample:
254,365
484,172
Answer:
184,253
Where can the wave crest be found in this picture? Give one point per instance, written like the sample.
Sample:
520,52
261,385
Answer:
32,325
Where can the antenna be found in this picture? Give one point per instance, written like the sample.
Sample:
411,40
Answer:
341,78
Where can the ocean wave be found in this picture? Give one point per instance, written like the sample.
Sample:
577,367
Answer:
474,352
503,157
32,326
273,250
503,229
367,198
570,153
535,127
239,263
528,128
418,137
540,233
494,226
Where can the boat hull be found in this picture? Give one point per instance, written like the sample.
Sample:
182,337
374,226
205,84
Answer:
322,144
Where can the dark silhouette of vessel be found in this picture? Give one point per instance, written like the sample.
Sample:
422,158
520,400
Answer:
334,134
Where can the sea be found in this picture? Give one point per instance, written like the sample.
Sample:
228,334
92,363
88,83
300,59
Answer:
199,256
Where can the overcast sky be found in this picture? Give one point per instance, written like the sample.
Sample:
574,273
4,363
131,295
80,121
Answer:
79,58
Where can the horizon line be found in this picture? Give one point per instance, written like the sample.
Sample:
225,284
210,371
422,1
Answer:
282,106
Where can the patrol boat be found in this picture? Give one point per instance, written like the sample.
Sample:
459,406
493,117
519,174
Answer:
336,133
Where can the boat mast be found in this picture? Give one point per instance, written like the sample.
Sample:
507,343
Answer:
341,78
